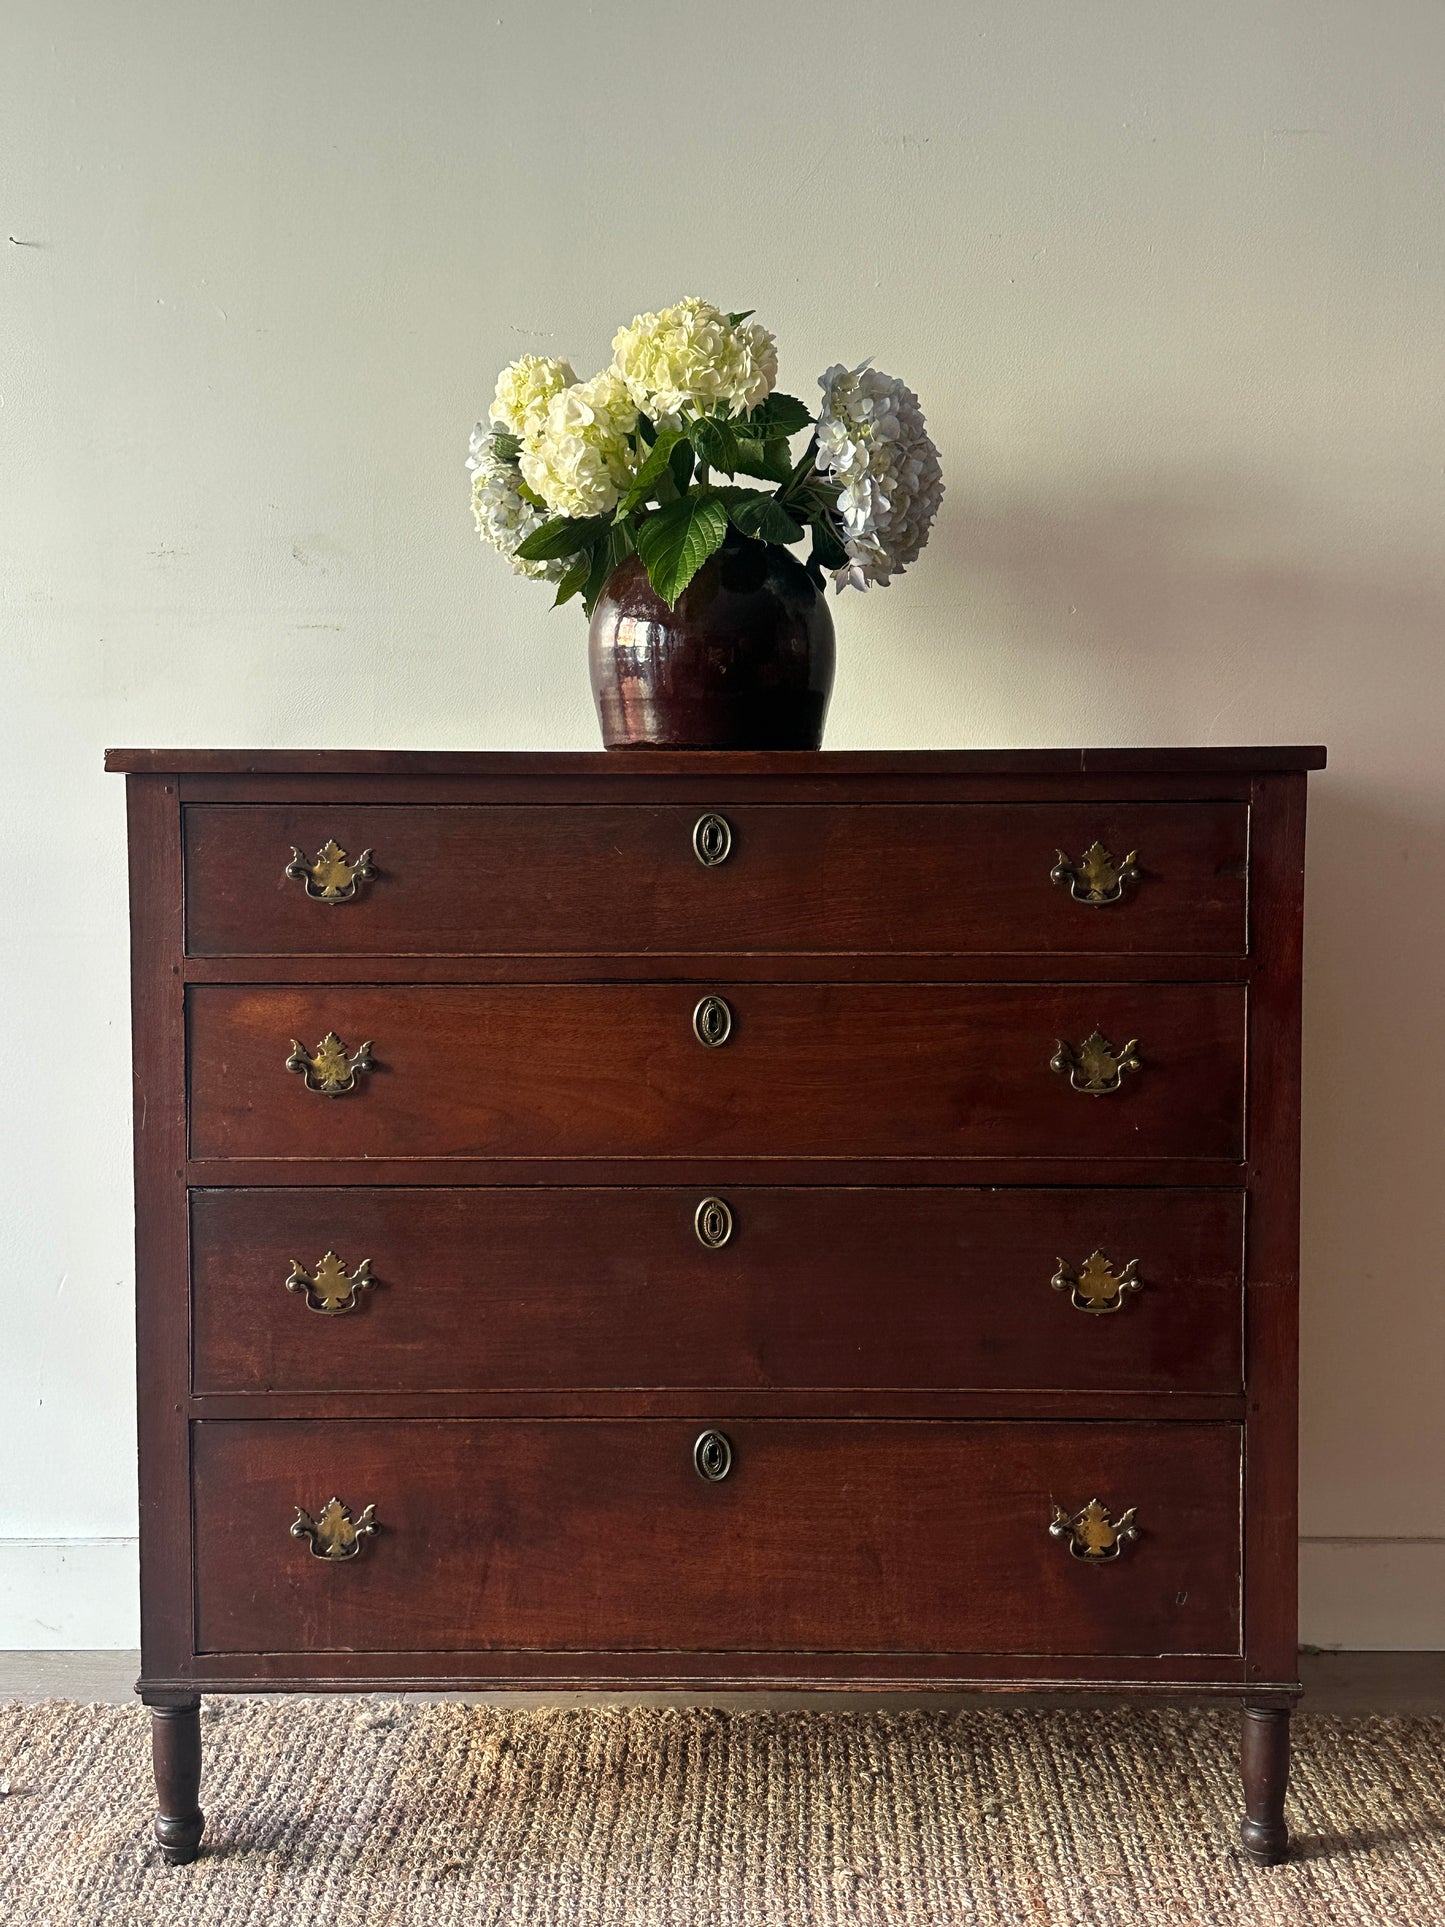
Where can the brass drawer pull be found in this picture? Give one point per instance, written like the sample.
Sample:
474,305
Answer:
1096,879
335,1535
328,1289
330,1072
713,1223
712,1456
1095,1066
1091,1534
329,877
712,839
1096,1286
712,1022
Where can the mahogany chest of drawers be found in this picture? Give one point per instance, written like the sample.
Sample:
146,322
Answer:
690,1220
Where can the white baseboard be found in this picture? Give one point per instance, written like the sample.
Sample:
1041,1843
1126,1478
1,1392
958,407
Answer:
1373,1595
68,1594
1365,1595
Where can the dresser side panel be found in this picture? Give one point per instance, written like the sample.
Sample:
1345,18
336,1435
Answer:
162,1316
1271,1475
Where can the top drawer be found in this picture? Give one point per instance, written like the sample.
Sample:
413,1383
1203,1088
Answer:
541,879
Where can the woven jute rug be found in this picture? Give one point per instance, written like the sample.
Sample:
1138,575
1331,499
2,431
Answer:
387,1814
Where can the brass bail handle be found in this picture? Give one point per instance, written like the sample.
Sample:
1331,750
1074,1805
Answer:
330,1289
1092,1535
1094,1066
330,1073
1096,879
334,1534
330,876
1096,1285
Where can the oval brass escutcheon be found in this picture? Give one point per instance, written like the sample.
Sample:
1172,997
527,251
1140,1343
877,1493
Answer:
712,1455
712,1022
713,1223
712,839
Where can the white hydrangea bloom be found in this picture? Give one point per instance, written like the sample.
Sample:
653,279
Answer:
873,443
691,359
581,458
503,517
524,392
479,448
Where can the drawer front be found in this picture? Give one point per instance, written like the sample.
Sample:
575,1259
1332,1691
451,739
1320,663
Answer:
573,1288
797,877
824,1536
807,1070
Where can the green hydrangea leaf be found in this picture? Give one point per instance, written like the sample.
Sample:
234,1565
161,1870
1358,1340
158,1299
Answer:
602,567
574,579
562,535
676,541
681,464
764,518
769,461
828,549
715,442
651,472
779,415
506,447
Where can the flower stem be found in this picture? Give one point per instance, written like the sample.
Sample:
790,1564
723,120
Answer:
785,494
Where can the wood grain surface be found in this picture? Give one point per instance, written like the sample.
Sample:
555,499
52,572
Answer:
820,1070
614,765
547,1289
540,879
826,1535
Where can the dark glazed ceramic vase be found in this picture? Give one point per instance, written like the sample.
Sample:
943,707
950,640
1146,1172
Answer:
745,660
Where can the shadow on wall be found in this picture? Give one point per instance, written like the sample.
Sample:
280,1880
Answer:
1373,1207
1157,598
1210,610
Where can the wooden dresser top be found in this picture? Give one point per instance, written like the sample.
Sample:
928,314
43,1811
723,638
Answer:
653,762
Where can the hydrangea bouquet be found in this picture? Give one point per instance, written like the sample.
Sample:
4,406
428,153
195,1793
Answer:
570,478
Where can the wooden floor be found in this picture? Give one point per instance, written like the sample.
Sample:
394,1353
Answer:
1334,1683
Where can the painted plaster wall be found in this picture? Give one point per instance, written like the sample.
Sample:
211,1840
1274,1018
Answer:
1169,280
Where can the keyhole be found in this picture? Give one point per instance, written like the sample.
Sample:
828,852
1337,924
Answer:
713,1222
712,839
712,1455
712,1022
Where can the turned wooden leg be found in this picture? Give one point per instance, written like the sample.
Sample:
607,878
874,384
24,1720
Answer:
176,1755
1264,1759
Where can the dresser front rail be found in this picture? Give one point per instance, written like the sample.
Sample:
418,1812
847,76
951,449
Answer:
701,1674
